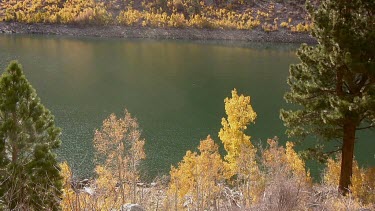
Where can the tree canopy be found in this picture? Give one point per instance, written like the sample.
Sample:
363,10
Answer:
334,85
119,151
29,175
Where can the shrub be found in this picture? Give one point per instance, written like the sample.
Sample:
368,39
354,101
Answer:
197,178
129,17
363,183
287,183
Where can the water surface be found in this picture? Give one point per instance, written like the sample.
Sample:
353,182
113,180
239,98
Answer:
176,89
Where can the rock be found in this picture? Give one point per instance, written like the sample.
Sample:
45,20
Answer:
85,181
282,35
141,184
132,207
88,190
81,184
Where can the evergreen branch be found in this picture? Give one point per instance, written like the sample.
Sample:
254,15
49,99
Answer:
332,151
367,127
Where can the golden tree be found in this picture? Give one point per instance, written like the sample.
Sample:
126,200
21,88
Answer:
232,134
241,153
119,149
197,177
106,197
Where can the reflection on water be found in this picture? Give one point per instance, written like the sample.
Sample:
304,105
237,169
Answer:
175,89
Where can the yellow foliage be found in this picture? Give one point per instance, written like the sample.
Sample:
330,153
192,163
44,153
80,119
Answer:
363,182
269,27
119,145
250,179
177,20
166,13
199,21
297,165
241,153
57,11
287,160
68,201
31,11
129,17
197,176
78,11
287,184
301,27
240,114
284,24
104,198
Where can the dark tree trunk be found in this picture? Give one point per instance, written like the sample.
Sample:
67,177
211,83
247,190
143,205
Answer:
347,157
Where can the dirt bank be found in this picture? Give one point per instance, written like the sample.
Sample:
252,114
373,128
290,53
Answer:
256,35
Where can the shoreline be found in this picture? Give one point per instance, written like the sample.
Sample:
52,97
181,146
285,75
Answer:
137,32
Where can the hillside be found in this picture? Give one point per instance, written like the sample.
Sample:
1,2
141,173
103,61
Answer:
211,14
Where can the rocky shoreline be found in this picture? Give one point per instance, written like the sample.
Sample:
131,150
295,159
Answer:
255,35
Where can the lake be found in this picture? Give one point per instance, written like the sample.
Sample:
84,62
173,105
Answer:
175,89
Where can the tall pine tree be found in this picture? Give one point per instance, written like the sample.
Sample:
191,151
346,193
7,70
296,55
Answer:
29,175
334,85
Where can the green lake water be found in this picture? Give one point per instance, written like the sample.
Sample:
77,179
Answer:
176,89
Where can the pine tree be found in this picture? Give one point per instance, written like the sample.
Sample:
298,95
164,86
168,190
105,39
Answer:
29,174
334,84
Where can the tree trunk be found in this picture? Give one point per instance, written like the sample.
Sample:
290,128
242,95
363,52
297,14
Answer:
134,200
347,157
